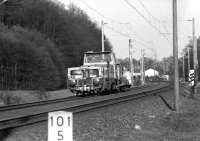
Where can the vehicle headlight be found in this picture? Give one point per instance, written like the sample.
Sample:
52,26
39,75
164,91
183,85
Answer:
72,82
96,81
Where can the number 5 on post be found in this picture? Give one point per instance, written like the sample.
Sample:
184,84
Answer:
60,126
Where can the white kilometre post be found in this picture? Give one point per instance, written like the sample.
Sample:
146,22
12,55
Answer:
60,126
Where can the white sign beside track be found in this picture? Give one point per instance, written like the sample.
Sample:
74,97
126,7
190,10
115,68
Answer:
60,126
191,77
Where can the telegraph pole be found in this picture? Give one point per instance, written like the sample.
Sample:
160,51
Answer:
195,60
102,35
183,67
131,60
155,64
194,45
175,56
188,49
153,49
142,67
195,64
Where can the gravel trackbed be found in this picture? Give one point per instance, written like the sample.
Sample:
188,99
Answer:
146,119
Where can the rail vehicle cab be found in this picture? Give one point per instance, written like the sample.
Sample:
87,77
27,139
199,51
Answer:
99,58
99,73
106,61
73,75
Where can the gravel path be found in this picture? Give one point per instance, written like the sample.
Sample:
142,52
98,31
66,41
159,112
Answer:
123,122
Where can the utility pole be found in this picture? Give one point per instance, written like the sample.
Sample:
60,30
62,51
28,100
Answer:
153,49
102,35
142,67
131,60
195,64
188,49
195,60
194,45
175,56
155,64
183,67
164,67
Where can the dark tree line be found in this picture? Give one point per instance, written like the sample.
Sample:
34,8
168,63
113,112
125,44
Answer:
42,39
34,58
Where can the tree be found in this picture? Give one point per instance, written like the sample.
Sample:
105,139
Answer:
36,59
71,30
54,35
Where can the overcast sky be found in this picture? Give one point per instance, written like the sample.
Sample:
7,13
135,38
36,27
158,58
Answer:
147,22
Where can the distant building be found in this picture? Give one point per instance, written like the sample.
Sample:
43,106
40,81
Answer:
151,72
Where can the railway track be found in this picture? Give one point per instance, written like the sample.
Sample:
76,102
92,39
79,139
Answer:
46,102
23,115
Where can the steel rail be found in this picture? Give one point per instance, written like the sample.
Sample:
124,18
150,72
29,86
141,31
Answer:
39,117
86,107
45,102
38,103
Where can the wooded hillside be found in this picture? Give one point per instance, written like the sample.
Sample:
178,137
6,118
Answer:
39,39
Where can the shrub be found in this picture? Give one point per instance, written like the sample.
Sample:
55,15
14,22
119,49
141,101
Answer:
37,59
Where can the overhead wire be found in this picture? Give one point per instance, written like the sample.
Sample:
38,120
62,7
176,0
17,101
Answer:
147,20
156,19
99,13
126,35
119,32
153,17
182,33
137,35
139,40
116,22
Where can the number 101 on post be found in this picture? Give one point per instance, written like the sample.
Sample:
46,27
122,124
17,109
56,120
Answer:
60,124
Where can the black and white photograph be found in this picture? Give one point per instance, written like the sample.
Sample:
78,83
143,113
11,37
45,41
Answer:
99,70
